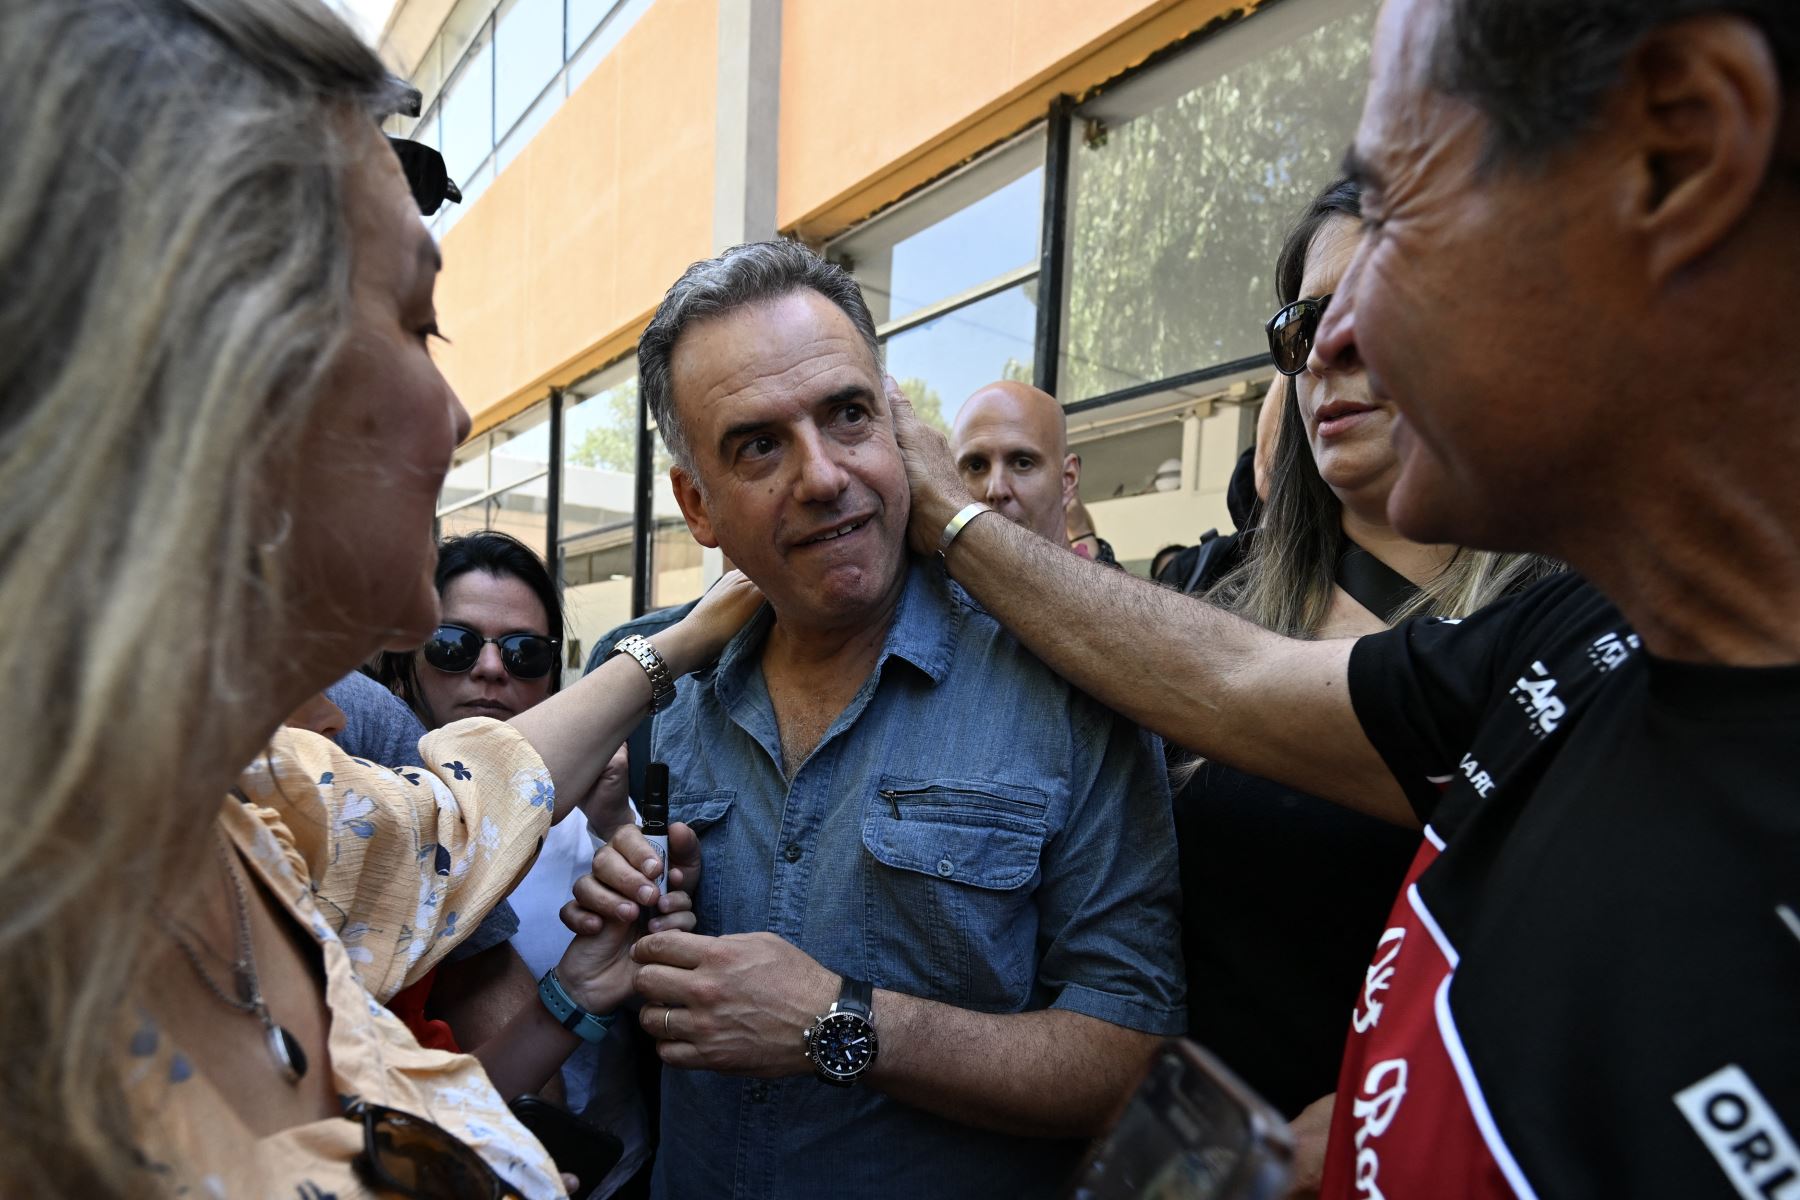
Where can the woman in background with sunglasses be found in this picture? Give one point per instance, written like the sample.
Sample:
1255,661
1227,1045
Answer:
496,653
496,649
222,439
1270,990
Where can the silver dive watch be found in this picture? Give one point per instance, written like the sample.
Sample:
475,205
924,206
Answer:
841,1042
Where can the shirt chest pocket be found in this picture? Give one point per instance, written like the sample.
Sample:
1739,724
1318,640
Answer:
951,889
705,811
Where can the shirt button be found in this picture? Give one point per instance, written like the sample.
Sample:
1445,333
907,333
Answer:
946,868
759,1093
792,853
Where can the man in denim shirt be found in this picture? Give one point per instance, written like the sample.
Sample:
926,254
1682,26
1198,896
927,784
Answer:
886,788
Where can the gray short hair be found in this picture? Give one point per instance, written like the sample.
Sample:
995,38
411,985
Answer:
738,278
1539,69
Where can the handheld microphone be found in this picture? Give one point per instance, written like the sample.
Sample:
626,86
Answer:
655,812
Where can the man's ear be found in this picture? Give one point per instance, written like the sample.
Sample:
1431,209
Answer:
1708,96
693,506
1071,478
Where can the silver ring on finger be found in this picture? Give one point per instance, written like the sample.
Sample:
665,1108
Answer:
667,1032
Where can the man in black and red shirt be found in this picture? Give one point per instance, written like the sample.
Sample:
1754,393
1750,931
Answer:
1578,283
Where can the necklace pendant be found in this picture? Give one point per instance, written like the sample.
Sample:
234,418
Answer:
285,1049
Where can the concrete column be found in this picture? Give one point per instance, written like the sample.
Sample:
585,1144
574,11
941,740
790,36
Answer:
1190,451
746,155
1222,441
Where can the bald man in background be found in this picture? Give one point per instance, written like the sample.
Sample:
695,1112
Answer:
1012,446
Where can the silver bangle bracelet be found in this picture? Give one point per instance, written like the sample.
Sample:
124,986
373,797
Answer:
957,523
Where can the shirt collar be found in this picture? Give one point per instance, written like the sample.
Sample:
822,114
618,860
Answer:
928,621
926,625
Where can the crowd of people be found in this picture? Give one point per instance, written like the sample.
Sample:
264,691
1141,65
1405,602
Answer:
1448,801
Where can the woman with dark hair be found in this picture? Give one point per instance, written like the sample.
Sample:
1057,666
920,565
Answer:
1285,893
497,648
496,653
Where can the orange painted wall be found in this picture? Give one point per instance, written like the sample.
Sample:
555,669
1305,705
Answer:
880,96
558,264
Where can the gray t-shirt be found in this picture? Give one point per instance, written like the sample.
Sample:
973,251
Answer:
380,728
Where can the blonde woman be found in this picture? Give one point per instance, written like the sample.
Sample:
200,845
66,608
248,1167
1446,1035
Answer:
224,437
1285,894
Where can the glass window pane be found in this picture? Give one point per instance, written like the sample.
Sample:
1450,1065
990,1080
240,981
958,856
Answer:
468,476
528,127
596,579
996,234
467,115
618,19
527,56
470,519
966,232
599,496
523,512
677,561
1176,215
585,17
940,364
522,447
428,76
600,460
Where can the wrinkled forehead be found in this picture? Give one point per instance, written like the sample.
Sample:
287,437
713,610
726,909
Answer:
1401,101
778,357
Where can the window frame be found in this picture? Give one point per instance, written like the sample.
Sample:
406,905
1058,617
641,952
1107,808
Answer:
468,34
1170,73
1165,77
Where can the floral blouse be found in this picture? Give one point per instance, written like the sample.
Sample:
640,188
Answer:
386,870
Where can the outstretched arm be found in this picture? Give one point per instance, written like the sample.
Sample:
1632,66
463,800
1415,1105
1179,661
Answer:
1200,677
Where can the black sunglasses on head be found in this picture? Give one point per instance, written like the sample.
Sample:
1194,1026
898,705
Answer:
1291,332
426,174
409,1156
455,648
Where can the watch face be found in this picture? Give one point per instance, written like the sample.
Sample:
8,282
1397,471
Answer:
844,1045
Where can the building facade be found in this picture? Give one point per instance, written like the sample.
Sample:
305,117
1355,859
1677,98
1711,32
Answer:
1086,194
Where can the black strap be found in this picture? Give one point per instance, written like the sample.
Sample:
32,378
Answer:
857,996
1373,584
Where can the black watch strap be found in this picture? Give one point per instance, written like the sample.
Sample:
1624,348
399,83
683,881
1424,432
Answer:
858,997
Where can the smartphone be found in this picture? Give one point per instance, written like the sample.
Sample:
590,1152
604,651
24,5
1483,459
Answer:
1191,1131
582,1150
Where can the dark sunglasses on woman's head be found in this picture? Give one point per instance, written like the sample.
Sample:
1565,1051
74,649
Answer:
455,648
425,174
1291,332
409,1156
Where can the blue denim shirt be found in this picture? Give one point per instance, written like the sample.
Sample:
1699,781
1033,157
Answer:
971,830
